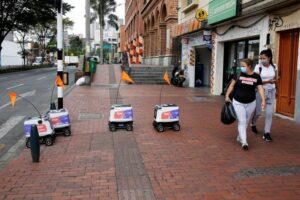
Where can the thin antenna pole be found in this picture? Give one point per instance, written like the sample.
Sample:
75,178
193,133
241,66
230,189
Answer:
31,104
118,91
160,94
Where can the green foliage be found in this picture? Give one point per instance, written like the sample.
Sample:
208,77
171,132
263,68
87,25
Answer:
22,68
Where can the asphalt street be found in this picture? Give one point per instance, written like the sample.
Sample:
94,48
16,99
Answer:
34,85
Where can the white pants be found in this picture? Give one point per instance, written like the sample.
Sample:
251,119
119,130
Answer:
244,113
270,99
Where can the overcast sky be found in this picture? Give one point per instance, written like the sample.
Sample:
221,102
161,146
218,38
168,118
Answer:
78,12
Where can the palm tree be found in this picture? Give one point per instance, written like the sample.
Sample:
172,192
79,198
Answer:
104,8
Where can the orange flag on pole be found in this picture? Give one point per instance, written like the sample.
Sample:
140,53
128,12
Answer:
59,82
126,77
13,98
166,77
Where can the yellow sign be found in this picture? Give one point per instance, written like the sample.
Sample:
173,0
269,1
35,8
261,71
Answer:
201,14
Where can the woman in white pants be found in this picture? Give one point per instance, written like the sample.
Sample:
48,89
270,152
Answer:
268,73
244,103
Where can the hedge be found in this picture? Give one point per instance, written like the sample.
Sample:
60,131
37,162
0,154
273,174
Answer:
22,68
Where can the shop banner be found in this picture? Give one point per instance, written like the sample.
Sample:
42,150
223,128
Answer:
220,10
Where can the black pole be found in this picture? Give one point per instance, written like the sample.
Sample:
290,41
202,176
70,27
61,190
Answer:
160,94
34,144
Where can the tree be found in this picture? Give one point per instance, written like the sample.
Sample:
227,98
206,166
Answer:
76,46
21,37
21,14
104,8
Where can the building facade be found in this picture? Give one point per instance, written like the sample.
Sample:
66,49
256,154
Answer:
244,28
134,31
159,19
195,39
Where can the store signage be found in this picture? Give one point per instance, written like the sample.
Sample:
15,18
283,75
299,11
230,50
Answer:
220,10
201,15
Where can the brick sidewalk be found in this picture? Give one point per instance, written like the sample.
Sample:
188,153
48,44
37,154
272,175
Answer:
202,161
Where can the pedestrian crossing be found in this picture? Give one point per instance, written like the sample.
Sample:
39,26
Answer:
9,125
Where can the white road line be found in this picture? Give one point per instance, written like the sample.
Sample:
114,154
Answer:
43,77
10,124
27,94
14,86
2,78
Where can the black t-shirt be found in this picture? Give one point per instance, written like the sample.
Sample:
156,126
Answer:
244,91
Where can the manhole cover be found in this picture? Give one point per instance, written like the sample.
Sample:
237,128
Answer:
268,171
89,116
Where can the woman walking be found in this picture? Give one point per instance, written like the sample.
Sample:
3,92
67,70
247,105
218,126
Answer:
244,103
268,73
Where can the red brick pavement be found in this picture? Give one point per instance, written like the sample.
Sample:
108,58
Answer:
202,161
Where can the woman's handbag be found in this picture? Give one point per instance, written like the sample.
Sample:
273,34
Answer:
228,115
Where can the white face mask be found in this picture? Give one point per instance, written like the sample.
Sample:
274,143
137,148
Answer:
243,69
264,62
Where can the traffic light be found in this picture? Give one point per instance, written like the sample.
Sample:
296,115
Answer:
56,3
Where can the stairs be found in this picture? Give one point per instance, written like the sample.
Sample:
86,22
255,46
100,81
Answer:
149,75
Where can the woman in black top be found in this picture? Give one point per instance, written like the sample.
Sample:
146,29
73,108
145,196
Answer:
244,103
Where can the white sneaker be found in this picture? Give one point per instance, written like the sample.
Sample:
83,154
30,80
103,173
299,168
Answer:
245,146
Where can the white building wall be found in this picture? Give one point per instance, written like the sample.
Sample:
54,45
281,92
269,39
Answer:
9,54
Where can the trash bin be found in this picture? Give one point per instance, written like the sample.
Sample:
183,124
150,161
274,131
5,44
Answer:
93,65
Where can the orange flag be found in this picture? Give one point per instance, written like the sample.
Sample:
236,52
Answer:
166,77
13,98
126,77
59,82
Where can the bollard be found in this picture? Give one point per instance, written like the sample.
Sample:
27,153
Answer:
35,144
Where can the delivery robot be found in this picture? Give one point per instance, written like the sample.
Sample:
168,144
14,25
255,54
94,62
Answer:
120,116
166,116
44,127
60,120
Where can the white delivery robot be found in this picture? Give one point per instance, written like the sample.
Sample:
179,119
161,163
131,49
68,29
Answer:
120,116
44,127
60,120
166,116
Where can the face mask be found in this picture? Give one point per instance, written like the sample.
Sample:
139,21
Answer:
243,69
264,62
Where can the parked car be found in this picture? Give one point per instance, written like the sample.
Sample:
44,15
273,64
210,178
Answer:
38,61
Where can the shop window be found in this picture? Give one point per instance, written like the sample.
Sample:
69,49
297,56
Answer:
235,52
189,2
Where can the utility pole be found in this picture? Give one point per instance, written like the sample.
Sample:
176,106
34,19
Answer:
87,27
60,67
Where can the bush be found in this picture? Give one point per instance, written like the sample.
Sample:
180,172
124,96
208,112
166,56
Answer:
11,69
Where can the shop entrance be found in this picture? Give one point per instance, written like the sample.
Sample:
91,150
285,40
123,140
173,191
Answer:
288,59
234,52
202,66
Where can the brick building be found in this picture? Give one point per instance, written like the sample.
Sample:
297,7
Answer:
121,39
134,30
159,20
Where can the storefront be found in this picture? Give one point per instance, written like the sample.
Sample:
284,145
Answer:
234,52
284,38
196,58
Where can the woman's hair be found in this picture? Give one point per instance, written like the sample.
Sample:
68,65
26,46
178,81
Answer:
269,54
248,62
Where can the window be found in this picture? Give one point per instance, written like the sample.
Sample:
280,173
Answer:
189,2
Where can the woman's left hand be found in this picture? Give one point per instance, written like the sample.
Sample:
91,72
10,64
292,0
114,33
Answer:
263,104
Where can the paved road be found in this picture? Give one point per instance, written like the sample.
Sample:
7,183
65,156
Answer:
37,86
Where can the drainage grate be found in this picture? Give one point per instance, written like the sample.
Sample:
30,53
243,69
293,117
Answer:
200,99
106,86
270,171
90,116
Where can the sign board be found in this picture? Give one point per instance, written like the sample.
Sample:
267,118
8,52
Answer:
220,10
201,15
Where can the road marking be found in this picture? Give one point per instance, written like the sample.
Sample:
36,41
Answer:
10,124
14,86
2,78
27,94
43,77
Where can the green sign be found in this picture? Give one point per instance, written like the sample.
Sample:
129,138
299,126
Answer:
220,10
